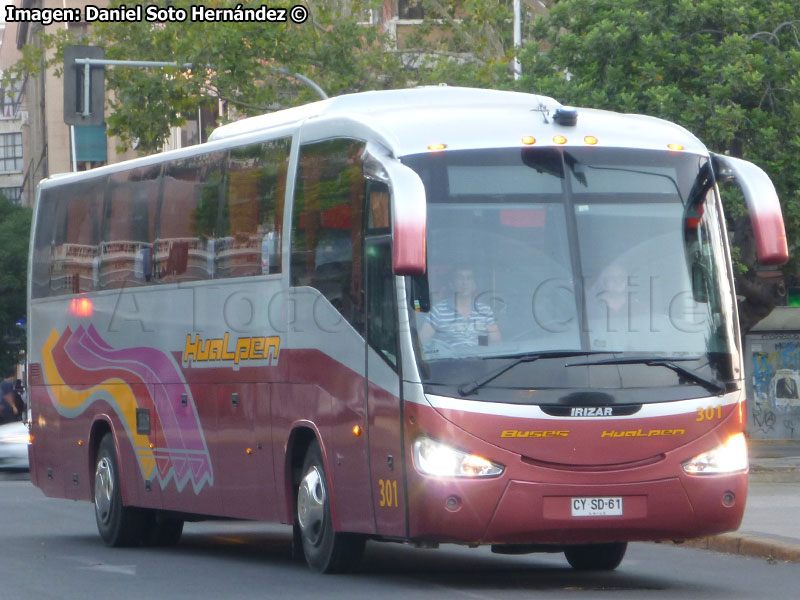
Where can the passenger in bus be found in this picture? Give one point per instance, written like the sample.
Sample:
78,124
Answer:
461,321
612,307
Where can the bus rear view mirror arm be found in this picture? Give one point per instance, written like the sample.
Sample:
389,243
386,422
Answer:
409,212
763,204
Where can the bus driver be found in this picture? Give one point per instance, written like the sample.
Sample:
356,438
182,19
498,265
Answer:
461,321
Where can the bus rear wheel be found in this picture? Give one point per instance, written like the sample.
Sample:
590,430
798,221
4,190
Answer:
118,525
326,550
596,557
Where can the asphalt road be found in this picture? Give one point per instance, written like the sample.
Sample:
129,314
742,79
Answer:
49,549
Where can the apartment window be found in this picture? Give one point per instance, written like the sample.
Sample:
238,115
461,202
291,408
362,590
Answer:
410,9
11,151
12,193
10,101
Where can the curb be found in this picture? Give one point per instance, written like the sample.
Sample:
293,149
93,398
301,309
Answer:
760,473
748,545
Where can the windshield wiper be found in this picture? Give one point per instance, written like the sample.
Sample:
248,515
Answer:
469,387
661,361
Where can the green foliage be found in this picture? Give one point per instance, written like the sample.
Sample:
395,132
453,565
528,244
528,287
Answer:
727,71
15,225
236,62
462,43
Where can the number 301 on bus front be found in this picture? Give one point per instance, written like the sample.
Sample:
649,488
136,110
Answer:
597,507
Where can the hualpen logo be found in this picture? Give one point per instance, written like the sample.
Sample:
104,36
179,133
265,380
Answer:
639,433
198,350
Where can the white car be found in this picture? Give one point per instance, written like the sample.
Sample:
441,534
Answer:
14,446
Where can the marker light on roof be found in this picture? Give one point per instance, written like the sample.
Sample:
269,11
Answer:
559,139
528,140
437,147
590,139
675,146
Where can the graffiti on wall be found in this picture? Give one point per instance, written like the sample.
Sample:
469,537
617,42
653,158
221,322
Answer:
775,398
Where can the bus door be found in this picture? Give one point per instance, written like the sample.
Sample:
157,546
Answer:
383,395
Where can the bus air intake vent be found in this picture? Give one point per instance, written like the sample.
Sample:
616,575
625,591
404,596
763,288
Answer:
594,468
34,374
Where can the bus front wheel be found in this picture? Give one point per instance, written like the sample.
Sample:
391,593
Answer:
596,557
326,550
118,525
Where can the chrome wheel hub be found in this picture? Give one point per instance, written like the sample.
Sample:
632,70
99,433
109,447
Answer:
311,505
103,489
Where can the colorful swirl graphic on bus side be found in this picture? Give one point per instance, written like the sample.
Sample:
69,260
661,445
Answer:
81,368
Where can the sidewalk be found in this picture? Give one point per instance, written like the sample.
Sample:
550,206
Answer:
771,525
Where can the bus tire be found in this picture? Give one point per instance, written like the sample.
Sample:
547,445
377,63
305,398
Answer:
326,550
596,557
119,525
160,530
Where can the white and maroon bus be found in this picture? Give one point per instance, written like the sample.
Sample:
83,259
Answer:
427,315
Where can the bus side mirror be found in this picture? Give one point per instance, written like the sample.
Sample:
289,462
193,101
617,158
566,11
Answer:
409,211
763,204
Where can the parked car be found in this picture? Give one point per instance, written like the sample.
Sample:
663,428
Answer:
14,446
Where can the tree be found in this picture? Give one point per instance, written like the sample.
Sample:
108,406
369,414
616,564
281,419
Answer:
727,71
244,64
15,225
343,46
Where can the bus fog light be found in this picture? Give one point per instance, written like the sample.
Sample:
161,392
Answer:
726,458
434,458
453,504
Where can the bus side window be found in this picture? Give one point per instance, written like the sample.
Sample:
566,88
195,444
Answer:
129,227
249,232
327,222
185,248
75,218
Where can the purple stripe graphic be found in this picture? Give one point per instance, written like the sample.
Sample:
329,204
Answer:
182,432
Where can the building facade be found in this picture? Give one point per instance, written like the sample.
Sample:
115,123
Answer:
43,144
12,119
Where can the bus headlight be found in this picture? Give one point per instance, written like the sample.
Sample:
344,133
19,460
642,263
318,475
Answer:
434,458
727,458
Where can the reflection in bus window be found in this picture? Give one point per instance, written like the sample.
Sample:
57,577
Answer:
76,238
129,228
248,240
184,250
327,222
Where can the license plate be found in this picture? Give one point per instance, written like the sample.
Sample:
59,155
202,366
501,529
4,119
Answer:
597,507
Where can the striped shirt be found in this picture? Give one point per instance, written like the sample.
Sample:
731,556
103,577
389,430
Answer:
456,331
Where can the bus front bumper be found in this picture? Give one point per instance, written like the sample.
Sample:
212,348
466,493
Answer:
528,512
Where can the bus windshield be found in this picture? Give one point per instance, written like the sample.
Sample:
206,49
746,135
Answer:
611,252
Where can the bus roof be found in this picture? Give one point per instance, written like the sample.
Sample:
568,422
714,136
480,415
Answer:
393,102
412,119
408,121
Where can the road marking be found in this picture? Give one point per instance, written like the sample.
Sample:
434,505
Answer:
118,569
92,564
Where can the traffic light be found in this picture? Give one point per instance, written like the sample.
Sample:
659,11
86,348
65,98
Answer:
74,84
